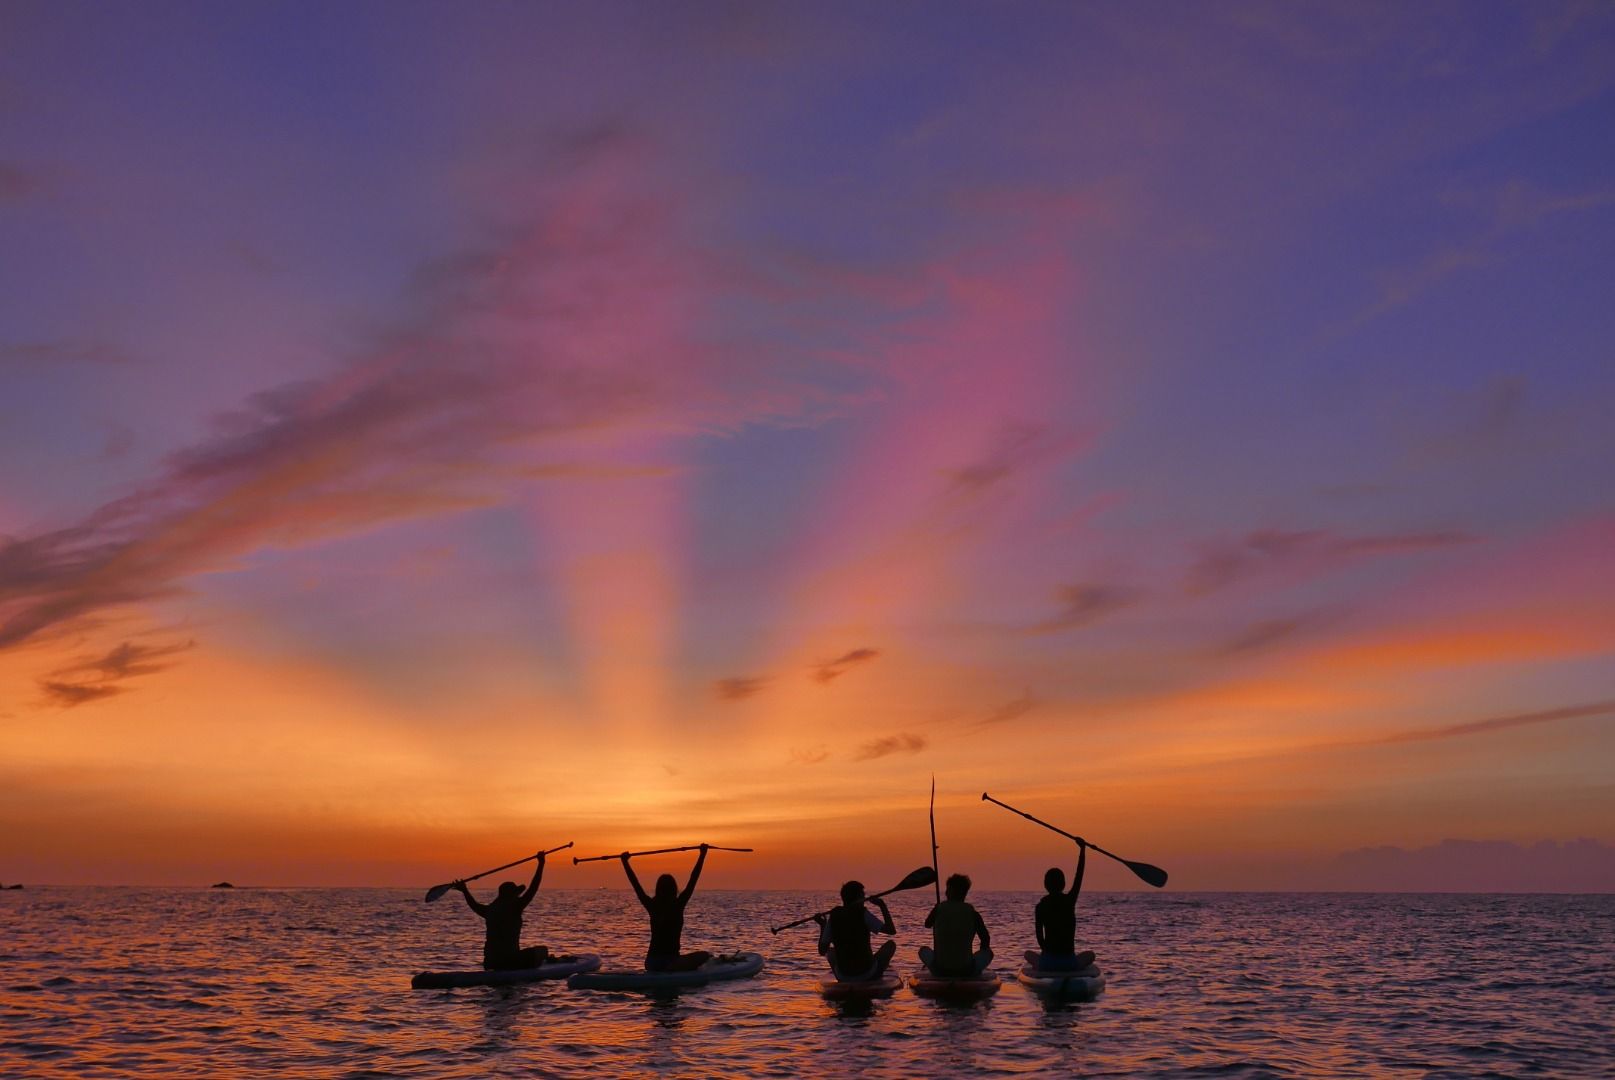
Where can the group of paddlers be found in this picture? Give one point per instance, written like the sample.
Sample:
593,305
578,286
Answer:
845,932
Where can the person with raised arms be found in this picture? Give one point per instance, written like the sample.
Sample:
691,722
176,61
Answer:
502,951
844,936
954,926
666,910
1055,920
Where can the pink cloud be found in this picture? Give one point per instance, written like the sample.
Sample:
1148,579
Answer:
593,315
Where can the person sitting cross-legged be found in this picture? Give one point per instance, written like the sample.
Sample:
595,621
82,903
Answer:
844,936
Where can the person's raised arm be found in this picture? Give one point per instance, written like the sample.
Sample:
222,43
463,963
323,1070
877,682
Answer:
538,875
887,927
981,932
1082,864
1037,928
930,919
639,890
471,901
824,933
695,875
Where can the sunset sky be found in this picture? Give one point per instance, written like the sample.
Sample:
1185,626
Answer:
433,431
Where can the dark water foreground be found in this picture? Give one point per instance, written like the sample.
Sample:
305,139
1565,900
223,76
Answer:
315,983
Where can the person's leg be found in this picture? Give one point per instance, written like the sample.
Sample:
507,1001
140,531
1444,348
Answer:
1085,959
533,956
691,961
835,968
927,955
981,960
883,958
1033,957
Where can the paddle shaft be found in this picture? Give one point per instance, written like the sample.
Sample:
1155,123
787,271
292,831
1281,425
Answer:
936,869
658,851
1039,821
876,896
508,865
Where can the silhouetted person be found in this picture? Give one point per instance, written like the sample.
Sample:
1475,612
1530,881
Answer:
1055,921
666,910
502,950
844,936
954,925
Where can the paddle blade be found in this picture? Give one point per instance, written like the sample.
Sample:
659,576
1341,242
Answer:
918,879
436,892
1150,875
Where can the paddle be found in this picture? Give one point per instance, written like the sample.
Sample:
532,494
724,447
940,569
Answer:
1150,875
917,879
658,851
437,891
936,872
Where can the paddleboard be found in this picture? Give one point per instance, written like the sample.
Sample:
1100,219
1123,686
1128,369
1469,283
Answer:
1083,985
557,969
858,989
927,985
719,968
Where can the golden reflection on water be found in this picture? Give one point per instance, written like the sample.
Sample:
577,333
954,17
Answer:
295,983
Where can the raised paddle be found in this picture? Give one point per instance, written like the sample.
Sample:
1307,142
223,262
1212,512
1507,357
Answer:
437,891
1149,875
658,851
918,879
936,871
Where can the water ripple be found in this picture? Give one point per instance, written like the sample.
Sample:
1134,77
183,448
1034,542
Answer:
314,983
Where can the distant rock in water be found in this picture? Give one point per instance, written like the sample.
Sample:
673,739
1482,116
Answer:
222,885
13,886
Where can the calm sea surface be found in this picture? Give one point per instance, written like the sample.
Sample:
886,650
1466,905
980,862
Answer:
315,983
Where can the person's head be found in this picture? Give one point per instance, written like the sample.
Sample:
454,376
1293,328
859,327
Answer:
958,886
509,890
1054,880
667,887
852,893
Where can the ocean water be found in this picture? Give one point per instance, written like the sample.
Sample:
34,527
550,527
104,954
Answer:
315,983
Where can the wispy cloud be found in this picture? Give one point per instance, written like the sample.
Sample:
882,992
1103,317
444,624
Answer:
62,352
901,743
92,678
1264,635
67,695
811,755
1011,710
1513,208
1084,604
834,669
127,660
739,688
1016,448
1223,564
1496,723
495,350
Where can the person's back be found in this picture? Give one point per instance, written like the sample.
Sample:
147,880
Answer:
1056,913
1055,920
503,917
666,911
502,920
844,935
849,934
953,932
666,928
954,924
